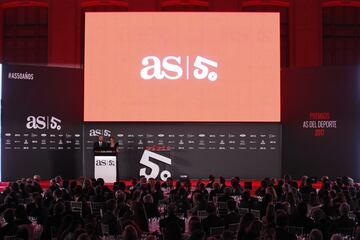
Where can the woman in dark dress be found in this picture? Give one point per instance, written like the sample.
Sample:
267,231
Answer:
114,145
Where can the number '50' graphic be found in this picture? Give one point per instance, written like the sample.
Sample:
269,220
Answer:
155,169
202,70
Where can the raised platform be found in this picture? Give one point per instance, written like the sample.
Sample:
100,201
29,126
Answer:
255,184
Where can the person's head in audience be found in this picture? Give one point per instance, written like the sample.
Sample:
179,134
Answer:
303,180
256,227
228,191
294,184
235,183
282,219
57,194
327,201
148,198
246,196
315,234
142,180
73,184
110,205
59,180
216,186
59,209
231,205
196,198
100,182
136,196
309,181
211,178
9,215
318,215
37,178
194,224
177,185
130,233
302,209
172,209
264,183
91,221
20,212
290,198
173,232
228,235
87,183
211,209
52,182
120,196
268,198
326,184
336,237
268,233
151,237
83,236
66,183
245,222
158,186
222,180
22,232
287,178
344,209
313,200
271,190
270,215
287,207
201,186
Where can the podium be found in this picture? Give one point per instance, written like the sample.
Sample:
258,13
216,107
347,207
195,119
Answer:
105,165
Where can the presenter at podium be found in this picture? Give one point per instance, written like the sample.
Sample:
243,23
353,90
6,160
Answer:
100,144
113,145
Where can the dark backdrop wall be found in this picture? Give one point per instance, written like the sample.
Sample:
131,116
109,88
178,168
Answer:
320,118
42,111
248,150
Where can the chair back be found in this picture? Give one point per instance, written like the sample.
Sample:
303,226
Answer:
216,231
96,208
234,227
296,230
201,214
76,207
345,231
105,230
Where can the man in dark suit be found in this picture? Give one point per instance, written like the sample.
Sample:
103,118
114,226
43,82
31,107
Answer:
233,216
212,220
300,219
164,223
100,144
282,222
10,228
344,221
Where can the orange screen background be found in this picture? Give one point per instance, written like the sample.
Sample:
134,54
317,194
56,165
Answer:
246,47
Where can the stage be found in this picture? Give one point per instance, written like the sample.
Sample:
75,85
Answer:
255,184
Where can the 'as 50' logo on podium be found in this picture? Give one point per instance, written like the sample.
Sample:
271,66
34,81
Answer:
105,162
155,169
175,67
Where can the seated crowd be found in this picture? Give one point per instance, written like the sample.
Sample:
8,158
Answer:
149,209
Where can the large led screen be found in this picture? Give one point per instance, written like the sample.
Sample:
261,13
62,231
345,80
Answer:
193,67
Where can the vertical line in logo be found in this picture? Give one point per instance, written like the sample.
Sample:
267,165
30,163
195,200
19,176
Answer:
47,122
187,67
